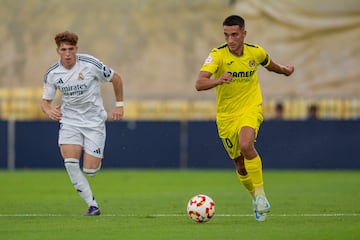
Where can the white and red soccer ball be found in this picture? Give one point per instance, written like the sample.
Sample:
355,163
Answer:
201,208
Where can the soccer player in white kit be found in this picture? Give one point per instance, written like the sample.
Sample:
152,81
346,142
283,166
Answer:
82,115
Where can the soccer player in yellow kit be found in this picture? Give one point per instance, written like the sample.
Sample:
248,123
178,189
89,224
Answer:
231,68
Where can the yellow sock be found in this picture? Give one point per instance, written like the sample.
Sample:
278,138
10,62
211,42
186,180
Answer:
254,169
247,182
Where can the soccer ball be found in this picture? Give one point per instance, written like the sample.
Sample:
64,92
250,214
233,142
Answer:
201,208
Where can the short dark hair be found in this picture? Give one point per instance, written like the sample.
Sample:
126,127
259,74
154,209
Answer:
234,20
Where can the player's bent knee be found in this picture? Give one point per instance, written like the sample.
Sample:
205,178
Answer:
91,172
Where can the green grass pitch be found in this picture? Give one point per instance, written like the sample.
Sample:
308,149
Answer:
151,204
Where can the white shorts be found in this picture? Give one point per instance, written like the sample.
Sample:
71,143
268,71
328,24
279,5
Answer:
91,139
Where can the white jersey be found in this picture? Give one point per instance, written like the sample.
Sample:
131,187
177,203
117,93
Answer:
80,90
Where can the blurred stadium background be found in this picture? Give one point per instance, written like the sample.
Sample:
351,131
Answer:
158,47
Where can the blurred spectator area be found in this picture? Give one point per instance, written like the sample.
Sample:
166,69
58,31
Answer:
24,104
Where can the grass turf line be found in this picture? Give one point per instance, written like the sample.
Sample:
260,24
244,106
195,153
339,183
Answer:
150,204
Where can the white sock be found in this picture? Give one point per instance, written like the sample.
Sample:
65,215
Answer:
79,181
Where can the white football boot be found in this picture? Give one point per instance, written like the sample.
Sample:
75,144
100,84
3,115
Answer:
262,204
260,217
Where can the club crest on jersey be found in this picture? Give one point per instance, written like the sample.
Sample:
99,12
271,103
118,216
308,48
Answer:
252,63
81,76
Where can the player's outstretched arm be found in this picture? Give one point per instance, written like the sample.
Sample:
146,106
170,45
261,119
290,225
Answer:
281,69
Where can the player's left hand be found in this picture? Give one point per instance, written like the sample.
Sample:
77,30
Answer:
118,113
288,69
225,78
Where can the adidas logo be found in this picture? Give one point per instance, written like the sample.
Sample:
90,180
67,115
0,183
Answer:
60,81
97,151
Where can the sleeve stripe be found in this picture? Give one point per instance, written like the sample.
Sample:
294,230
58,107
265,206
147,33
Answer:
53,67
91,60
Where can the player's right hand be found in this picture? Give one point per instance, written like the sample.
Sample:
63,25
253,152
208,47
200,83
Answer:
55,113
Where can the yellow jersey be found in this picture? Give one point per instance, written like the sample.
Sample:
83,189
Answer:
243,93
